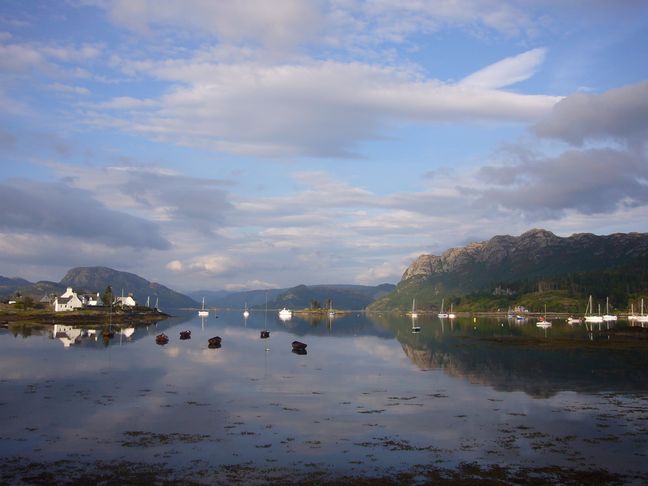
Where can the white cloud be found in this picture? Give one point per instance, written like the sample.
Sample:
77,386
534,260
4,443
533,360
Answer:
285,24
280,23
64,88
291,110
384,272
507,71
213,264
175,266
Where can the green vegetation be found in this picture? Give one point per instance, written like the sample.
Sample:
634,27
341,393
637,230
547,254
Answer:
107,297
624,285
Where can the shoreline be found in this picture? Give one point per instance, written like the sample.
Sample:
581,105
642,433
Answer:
81,317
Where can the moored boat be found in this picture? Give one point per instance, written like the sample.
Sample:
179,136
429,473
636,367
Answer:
162,338
214,342
298,345
202,312
591,317
185,334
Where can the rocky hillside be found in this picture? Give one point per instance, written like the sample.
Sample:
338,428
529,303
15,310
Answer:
535,255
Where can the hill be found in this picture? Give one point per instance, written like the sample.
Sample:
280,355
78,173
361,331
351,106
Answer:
500,270
235,300
346,297
9,286
343,296
96,279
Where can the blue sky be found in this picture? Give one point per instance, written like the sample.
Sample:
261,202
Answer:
255,144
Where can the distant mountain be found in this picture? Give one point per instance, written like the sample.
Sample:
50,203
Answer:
93,279
96,279
507,262
348,297
343,296
235,300
9,286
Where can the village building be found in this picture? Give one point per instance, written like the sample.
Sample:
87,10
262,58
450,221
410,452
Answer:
128,301
92,300
62,304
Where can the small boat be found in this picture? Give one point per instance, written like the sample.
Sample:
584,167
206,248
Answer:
591,317
442,314
297,345
285,313
607,316
202,312
414,314
331,312
162,339
542,320
246,312
642,317
573,320
265,334
451,314
185,334
214,342
299,351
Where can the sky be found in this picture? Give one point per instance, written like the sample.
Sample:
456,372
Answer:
264,144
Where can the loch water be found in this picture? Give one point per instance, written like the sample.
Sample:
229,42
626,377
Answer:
370,397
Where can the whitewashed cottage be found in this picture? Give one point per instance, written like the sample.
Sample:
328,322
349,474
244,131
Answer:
68,301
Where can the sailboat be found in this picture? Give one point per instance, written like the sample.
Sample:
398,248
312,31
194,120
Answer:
414,314
202,312
246,312
331,312
415,327
542,320
451,315
608,316
642,317
591,317
285,314
442,314
632,316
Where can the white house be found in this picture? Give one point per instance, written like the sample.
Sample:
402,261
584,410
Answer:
126,301
68,293
62,304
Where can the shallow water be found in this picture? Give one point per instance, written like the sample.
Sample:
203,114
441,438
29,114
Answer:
370,396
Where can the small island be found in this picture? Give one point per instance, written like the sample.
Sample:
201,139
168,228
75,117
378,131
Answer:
77,309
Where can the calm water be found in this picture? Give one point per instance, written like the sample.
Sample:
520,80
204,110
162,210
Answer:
369,396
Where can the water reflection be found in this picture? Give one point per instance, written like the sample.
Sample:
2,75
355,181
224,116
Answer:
369,394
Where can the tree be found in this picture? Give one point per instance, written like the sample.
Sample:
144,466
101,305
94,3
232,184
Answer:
107,296
315,305
26,302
